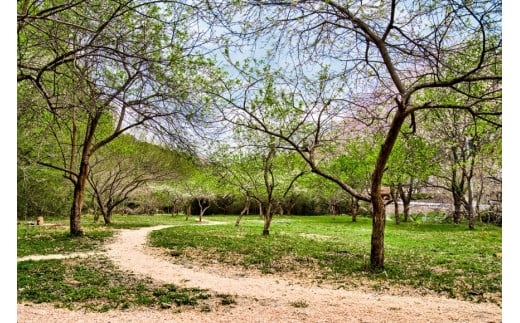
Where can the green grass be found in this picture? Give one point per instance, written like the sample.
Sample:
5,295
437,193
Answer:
435,258
54,237
43,240
442,258
94,284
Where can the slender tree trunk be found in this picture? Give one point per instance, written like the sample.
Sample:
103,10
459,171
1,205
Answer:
203,211
104,212
95,207
457,188
82,177
458,201
471,210
188,211
269,186
354,208
394,194
479,198
469,176
406,197
244,211
332,207
260,210
267,219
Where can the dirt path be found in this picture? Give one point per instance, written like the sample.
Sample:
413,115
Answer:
261,298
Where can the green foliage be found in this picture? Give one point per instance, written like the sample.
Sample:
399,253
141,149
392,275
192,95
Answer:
41,192
413,157
356,162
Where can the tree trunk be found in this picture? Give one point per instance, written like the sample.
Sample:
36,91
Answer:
395,195
471,199
260,210
244,211
470,209
267,220
104,212
75,212
406,198
406,209
354,208
95,207
457,189
332,207
377,246
377,250
457,212
268,216
79,194
202,209
188,211
107,217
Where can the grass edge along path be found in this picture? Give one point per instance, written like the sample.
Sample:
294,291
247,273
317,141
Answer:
445,259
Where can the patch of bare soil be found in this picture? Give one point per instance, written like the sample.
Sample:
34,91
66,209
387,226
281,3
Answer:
260,298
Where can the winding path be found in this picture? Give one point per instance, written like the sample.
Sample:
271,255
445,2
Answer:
266,299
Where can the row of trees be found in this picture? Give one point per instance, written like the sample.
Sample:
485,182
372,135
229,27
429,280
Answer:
313,80
132,176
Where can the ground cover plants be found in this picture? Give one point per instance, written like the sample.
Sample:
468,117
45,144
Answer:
433,258
95,284
446,259
54,237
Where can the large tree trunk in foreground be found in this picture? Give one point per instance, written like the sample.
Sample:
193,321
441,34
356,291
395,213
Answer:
79,195
377,250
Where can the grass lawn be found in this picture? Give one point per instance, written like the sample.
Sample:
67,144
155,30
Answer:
442,258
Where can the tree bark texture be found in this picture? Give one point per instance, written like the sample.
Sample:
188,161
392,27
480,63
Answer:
79,195
377,250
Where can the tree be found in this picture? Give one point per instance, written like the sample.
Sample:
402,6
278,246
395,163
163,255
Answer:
126,165
262,173
345,61
41,191
464,142
89,61
412,162
200,186
353,166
